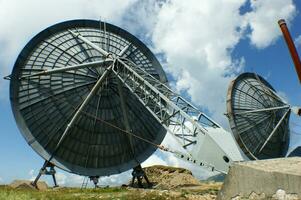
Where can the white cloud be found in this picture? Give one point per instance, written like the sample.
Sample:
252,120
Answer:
21,20
264,17
141,18
32,175
74,179
61,178
31,172
67,179
118,179
1,180
33,16
197,42
154,160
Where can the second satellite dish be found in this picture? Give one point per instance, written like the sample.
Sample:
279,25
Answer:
259,118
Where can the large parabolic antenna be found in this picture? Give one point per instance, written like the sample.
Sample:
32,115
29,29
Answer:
258,117
92,99
45,100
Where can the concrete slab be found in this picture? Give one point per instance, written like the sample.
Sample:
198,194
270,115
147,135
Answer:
264,179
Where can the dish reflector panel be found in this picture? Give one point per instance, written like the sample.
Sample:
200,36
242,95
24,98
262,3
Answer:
259,118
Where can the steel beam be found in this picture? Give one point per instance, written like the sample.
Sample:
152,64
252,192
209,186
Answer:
67,68
262,110
125,114
120,54
274,130
91,44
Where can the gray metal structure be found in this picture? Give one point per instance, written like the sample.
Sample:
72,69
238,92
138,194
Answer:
258,117
93,100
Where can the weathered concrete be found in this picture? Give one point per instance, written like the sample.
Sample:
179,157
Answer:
264,178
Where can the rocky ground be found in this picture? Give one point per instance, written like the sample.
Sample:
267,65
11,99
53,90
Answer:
7,193
168,183
274,179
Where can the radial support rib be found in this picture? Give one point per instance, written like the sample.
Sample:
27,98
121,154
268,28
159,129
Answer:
125,114
274,130
120,54
262,110
91,44
85,102
68,68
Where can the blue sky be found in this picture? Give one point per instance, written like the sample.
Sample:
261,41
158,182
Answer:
196,57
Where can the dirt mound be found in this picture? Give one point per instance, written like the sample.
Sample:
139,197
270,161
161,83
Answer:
164,177
24,184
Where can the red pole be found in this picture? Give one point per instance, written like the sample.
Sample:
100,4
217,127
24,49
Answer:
291,46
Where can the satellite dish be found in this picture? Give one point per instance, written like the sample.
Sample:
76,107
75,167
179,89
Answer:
46,99
258,117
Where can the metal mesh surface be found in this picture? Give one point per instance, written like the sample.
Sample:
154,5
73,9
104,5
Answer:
249,92
44,105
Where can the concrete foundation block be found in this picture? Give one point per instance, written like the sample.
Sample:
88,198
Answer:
265,179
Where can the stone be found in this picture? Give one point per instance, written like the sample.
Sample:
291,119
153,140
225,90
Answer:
25,184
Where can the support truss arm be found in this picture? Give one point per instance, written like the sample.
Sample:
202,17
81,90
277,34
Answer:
169,108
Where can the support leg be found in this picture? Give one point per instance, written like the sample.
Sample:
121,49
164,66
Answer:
95,180
147,181
133,181
44,171
140,175
34,183
54,180
139,182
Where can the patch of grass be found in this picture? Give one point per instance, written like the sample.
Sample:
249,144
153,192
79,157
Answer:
115,193
8,193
